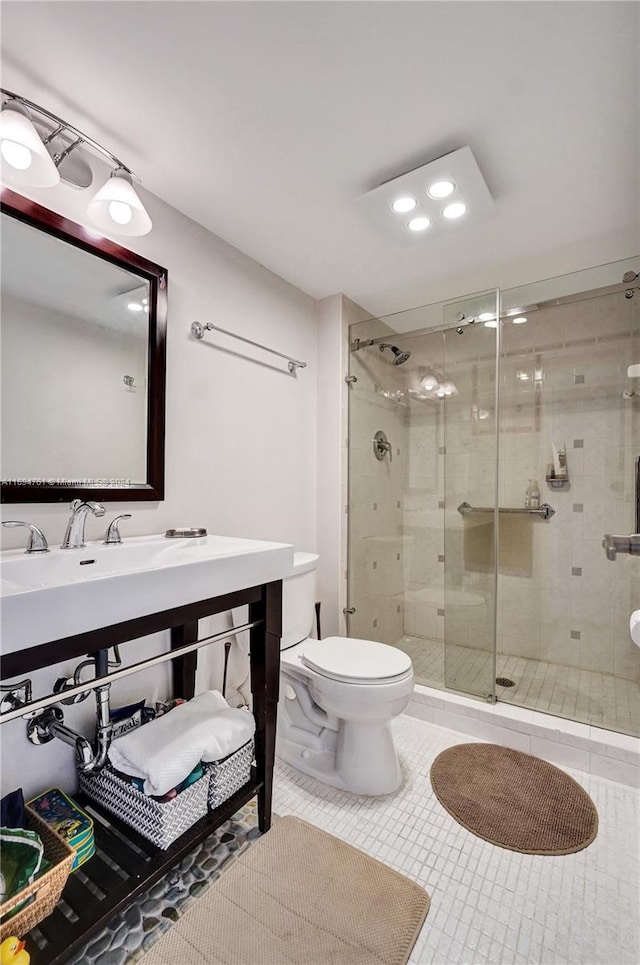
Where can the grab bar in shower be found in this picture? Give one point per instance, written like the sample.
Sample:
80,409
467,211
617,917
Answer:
198,329
545,511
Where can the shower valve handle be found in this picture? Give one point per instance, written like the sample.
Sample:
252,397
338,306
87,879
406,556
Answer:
381,446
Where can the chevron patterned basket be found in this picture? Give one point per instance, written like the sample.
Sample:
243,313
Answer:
229,774
159,821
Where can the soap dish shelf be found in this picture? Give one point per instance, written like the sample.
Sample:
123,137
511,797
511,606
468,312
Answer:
556,483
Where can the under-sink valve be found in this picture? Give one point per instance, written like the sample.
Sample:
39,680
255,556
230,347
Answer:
15,695
39,728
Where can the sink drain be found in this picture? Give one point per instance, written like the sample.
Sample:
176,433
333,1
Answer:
504,682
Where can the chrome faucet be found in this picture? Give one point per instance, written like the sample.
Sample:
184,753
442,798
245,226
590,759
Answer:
37,542
74,534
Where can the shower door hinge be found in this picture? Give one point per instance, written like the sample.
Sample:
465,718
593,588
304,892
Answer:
349,610
350,379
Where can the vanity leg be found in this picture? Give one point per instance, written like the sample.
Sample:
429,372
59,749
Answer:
265,685
184,668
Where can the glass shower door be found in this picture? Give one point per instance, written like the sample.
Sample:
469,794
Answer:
563,622
469,455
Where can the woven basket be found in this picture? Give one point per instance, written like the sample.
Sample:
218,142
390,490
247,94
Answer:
229,774
159,821
45,891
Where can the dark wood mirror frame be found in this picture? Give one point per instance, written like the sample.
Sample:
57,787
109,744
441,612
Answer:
16,206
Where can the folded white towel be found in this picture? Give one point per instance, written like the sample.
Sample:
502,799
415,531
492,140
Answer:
166,750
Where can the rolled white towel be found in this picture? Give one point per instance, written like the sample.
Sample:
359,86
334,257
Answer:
166,750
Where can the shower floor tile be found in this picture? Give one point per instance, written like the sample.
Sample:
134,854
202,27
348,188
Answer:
593,698
489,905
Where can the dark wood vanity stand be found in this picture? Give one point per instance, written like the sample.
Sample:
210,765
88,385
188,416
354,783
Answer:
98,890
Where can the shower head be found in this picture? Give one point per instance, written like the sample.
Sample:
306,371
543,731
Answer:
400,357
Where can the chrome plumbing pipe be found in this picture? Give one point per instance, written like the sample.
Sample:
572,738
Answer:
29,709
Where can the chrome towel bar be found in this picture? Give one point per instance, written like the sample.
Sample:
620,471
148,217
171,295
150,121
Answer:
545,511
198,329
29,707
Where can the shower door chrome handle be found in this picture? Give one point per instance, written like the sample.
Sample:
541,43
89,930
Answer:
382,446
621,544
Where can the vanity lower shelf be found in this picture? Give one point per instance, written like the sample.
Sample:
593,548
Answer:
139,865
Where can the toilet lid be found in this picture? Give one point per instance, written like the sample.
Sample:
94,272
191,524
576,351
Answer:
355,661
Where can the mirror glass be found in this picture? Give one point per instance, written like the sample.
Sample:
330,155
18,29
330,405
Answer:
79,345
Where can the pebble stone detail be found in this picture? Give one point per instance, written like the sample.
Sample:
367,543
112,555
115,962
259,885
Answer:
130,934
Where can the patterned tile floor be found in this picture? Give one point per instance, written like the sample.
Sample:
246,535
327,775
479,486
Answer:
489,905
592,698
129,935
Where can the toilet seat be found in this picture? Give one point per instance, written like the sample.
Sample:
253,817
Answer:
356,661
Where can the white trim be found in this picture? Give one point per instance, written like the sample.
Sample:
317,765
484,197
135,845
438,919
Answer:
565,742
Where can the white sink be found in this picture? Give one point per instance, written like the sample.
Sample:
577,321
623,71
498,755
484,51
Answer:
53,595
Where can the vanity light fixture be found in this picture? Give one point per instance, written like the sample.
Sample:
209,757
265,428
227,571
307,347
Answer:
23,149
36,146
430,383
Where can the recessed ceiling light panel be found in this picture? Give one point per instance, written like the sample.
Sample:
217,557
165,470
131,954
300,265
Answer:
440,189
402,205
520,320
454,178
418,224
455,210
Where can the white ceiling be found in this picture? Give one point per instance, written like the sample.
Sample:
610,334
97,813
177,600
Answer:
266,121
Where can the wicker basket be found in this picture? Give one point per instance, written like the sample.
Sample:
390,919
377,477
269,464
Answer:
45,891
229,774
159,821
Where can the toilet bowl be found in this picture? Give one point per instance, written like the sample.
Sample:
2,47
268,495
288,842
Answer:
337,697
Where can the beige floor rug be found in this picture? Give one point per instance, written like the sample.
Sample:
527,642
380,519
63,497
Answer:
299,896
514,800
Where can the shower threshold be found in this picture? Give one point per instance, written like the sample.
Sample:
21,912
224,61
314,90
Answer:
598,699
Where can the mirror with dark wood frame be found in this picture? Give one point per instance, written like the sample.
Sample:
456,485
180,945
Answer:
83,362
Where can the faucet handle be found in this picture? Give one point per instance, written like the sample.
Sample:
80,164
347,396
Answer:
113,533
37,542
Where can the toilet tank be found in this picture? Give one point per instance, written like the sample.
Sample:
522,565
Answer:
299,595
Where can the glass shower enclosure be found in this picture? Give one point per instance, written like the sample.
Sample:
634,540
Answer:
493,441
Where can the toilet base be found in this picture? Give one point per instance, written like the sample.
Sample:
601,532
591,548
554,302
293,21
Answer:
364,760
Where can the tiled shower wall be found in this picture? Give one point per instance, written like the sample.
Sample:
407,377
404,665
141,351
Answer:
563,379
376,492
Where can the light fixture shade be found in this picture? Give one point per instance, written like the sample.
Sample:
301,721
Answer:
25,158
116,208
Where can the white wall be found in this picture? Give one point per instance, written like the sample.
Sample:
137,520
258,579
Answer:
66,413
240,434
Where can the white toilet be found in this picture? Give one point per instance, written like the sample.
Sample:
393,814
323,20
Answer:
337,697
